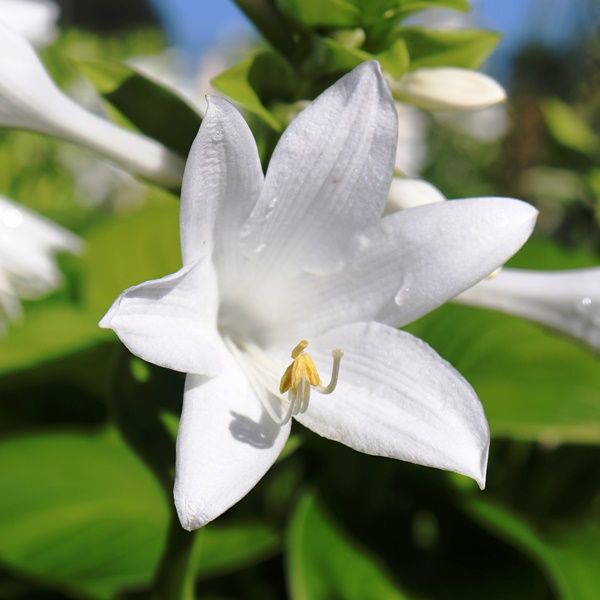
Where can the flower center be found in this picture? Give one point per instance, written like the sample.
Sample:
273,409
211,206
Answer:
302,375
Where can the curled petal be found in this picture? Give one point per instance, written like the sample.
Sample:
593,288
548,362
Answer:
396,397
408,193
226,443
29,99
171,322
568,301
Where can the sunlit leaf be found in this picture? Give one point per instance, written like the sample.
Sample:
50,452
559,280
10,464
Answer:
255,81
568,128
324,13
158,112
80,511
129,249
324,563
568,554
464,48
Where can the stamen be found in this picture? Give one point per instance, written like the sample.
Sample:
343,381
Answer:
302,375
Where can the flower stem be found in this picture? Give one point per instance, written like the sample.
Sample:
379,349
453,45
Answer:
174,579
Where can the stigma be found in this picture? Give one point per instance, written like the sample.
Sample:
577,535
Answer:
302,376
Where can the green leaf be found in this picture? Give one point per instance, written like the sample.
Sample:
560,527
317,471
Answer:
225,548
49,332
130,249
337,58
156,111
534,385
256,81
395,61
569,129
324,563
568,555
322,13
408,7
464,48
79,510
273,25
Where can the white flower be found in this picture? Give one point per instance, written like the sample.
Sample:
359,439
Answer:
27,245
29,99
411,148
568,301
35,20
448,88
303,254
408,193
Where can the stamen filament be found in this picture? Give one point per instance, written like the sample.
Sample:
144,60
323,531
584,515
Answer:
335,371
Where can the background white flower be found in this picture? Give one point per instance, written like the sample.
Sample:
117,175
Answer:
304,253
35,20
29,99
28,243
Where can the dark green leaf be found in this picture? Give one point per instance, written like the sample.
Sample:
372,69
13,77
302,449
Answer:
462,48
257,81
568,555
324,563
225,548
48,333
275,28
155,110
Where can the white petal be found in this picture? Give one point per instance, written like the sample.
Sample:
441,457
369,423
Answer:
408,193
328,177
223,179
171,322
448,88
396,397
568,301
30,100
31,228
33,19
411,264
226,443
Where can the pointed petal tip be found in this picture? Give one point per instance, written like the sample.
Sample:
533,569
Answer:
190,515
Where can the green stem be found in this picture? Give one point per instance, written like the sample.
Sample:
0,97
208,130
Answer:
174,579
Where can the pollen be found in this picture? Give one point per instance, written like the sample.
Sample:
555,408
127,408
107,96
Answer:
301,376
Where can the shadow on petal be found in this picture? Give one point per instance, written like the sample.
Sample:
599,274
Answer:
261,434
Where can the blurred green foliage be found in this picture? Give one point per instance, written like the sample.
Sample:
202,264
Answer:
81,514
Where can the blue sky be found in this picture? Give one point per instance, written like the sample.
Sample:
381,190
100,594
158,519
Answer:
196,25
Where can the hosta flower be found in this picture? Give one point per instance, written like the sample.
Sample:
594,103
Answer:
29,99
35,20
290,293
568,301
448,88
28,243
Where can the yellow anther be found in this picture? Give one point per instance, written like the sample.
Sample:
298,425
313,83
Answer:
301,369
301,346
302,375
